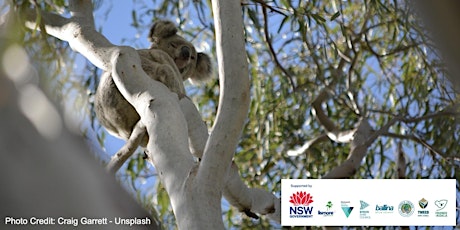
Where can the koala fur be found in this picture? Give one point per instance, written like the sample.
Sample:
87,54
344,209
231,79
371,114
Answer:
171,60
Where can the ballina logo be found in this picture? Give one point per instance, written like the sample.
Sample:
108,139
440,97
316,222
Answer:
384,209
301,201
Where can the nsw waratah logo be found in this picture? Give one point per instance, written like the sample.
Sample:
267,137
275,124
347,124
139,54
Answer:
301,202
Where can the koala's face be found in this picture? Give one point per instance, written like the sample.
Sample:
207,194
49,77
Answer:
191,64
182,52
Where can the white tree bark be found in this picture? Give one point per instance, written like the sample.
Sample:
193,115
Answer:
45,170
195,189
184,180
157,106
360,138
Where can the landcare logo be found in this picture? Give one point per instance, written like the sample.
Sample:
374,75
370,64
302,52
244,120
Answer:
301,201
406,208
363,214
441,204
423,204
329,212
346,208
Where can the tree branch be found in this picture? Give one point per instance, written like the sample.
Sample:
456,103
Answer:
54,24
430,116
307,145
332,130
79,31
234,94
157,106
265,5
272,50
364,137
400,162
320,115
171,123
357,153
250,200
416,139
197,130
128,149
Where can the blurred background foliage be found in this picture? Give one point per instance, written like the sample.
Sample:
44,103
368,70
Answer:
373,57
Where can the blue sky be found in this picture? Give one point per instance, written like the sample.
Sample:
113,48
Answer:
117,25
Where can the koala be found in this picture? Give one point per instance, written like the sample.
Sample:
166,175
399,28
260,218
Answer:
170,60
192,65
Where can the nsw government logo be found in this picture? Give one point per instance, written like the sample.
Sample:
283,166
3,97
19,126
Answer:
301,202
328,211
423,204
406,208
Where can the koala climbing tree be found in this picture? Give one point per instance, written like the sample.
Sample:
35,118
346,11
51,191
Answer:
173,125
170,60
317,97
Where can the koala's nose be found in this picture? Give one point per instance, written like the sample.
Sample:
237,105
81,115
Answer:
185,52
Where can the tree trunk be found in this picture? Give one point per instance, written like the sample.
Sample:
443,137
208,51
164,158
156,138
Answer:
195,189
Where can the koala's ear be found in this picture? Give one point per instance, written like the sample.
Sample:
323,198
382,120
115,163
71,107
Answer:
203,68
162,29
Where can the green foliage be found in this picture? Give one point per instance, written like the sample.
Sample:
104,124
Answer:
375,59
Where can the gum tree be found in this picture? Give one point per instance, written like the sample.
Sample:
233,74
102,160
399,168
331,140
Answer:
353,89
195,188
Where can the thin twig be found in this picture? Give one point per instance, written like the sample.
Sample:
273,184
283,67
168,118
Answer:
272,50
265,5
128,149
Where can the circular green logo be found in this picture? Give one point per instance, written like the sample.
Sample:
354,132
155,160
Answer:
406,208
